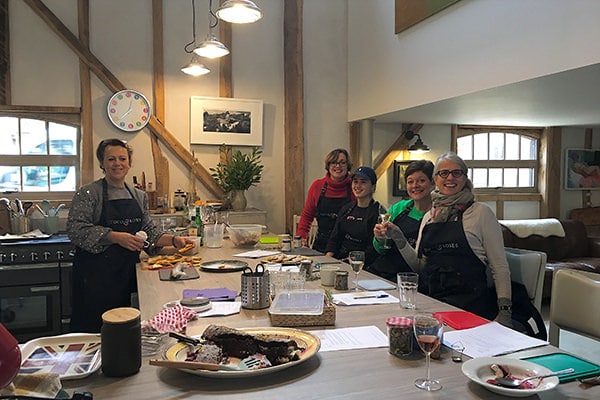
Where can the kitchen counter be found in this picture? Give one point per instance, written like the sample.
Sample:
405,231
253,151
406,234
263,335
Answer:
350,374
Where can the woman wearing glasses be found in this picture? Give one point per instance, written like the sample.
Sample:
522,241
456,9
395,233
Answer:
325,198
459,239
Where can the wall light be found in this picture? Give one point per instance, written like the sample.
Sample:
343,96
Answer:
239,12
211,47
418,146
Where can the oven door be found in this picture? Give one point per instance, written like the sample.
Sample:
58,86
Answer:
30,310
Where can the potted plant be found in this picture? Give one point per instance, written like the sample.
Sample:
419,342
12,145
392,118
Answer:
237,174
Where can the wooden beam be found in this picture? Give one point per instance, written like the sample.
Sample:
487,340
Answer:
5,95
385,159
354,142
111,81
225,63
550,156
86,171
293,110
586,195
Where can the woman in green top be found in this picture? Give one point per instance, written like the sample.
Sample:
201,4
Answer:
407,215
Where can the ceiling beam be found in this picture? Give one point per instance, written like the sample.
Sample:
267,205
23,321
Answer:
387,157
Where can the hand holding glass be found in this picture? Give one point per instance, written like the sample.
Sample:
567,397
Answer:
428,331
357,261
383,219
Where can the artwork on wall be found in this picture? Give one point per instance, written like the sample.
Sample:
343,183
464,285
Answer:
222,120
582,169
399,189
411,12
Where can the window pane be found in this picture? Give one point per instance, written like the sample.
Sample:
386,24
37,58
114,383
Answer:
496,146
464,147
526,177
495,177
62,139
512,146
510,177
480,177
480,141
9,135
33,136
35,178
62,178
10,178
528,149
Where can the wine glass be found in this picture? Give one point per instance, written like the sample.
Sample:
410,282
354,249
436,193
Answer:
428,331
383,219
357,261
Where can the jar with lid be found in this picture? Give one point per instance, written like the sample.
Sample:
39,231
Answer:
297,242
400,335
286,244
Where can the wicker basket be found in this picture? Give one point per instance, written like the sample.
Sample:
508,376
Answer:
326,318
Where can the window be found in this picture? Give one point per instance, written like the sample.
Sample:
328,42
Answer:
38,155
500,158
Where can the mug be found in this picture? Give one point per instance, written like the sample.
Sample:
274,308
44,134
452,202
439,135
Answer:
328,274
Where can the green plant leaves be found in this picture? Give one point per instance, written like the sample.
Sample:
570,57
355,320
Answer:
243,171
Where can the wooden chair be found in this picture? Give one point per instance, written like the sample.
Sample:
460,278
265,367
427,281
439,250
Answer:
312,234
573,305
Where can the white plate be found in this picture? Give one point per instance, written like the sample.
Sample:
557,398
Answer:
223,265
308,341
478,370
71,356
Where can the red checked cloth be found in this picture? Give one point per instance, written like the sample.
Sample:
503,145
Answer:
170,319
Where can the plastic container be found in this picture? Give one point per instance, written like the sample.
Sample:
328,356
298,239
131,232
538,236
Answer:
307,302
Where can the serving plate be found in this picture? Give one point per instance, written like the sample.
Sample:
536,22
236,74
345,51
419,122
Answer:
479,371
71,356
223,265
308,341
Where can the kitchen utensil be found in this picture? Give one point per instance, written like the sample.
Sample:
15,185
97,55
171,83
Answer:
245,364
46,206
515,383
255,288
185,339
41,210
54,211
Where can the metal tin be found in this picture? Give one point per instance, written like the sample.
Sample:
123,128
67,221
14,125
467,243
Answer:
341,280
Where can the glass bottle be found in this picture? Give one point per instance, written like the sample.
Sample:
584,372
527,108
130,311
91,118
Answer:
200,225
193,226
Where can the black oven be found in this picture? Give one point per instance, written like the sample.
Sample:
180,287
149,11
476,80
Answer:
35,287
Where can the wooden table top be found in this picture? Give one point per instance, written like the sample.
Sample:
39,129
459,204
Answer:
348,374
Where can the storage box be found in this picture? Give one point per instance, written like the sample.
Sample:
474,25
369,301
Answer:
296,318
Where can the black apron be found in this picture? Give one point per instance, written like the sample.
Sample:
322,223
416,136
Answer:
357,231
388,265
106,280
453,273
326,215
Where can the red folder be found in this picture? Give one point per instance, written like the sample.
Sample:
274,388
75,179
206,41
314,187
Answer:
461,319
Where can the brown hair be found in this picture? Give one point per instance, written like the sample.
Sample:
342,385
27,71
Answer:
424,166
333,156
112,142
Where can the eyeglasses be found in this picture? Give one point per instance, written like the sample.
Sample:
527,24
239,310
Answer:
342,163
457,173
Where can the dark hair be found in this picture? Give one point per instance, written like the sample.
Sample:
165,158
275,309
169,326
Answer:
112,142
424,166
333,156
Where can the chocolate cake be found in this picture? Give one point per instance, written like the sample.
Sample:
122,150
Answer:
208,353
236,343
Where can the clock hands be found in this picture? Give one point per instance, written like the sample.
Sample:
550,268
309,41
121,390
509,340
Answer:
128,110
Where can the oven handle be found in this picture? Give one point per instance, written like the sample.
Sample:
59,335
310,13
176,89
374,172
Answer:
38,289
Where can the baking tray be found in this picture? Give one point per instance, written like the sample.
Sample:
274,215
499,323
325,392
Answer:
558,361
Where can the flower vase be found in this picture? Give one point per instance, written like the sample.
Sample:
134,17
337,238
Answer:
238,200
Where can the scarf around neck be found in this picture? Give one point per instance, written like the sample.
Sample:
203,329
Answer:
446,208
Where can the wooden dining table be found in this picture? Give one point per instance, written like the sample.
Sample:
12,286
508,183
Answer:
370,373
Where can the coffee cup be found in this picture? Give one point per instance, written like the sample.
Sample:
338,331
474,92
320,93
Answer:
328,274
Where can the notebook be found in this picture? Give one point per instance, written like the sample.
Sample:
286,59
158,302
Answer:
558,361
375,284
461,319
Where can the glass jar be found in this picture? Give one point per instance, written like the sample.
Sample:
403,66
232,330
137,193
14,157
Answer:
286,244
400,335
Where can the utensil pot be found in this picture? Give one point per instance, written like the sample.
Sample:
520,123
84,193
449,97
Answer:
255,288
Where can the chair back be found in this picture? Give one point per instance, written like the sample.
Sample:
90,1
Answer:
312,234
575,297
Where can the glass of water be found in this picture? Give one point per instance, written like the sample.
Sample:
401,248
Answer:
408,285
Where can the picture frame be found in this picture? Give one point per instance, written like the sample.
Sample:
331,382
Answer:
399,189
582,169
222,120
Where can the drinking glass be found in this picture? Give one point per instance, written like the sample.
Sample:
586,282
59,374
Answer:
383,219
357,261
428,331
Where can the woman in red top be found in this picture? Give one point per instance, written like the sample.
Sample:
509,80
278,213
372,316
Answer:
325,198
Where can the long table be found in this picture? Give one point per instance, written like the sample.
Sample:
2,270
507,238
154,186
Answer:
348,374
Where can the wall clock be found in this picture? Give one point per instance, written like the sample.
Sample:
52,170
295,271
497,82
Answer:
129,110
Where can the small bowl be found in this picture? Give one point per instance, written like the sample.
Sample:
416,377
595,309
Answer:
244,235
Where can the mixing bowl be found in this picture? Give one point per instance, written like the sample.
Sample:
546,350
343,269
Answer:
244,235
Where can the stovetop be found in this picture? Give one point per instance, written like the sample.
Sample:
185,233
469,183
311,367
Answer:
55,248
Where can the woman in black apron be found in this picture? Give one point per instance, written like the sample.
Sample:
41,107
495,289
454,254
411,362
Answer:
325,198
407,215
104,218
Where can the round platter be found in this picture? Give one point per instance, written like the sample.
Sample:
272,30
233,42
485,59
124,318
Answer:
308,341
223,266
479,371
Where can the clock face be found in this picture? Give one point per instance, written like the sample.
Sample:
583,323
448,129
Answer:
129,110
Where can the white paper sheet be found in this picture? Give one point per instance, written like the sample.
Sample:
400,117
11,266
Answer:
257,253
361,337
221,308
362,298
490,340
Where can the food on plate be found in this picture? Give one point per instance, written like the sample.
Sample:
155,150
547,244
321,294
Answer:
209,353
285,259
163,261
236,343
186,248
503,371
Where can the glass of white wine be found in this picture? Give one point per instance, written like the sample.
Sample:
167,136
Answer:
357,261
428,331
383,219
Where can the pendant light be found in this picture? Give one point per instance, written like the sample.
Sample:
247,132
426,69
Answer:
195,66
211,47
239,12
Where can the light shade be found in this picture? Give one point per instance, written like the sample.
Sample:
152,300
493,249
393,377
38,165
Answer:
418,146
239,12
211,48
195,67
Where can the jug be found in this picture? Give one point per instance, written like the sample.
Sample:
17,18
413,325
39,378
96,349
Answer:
255,288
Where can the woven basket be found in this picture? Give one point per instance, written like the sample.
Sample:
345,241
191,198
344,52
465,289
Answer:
326,318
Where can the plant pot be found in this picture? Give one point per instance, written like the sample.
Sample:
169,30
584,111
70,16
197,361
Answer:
238,200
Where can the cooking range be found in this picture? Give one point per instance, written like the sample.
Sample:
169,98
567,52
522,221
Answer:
35,286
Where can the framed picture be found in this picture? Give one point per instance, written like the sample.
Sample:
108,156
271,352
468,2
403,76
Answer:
399,181
582,169
222,120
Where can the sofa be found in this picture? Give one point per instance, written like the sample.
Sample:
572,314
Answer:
576,250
